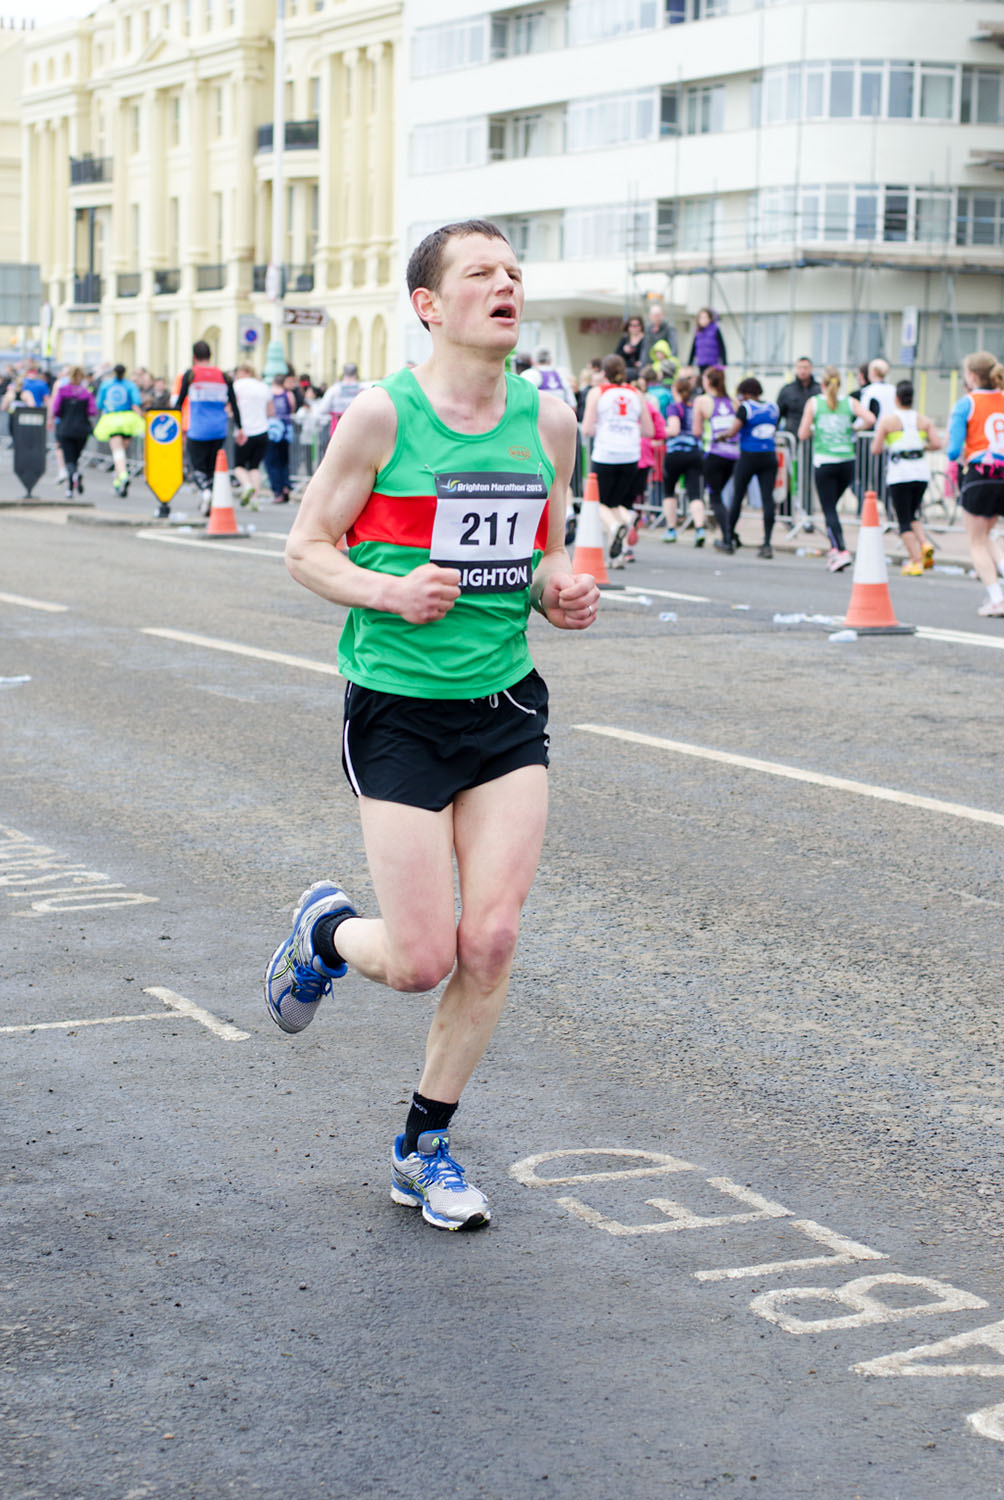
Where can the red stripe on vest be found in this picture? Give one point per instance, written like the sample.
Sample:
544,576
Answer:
406,521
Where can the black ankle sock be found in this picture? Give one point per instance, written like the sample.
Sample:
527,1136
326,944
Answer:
425,1114
323,938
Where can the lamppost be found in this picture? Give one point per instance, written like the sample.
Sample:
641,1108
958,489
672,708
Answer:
275,355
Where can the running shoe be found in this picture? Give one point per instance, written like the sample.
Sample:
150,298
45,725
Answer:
247,494
700,537
431,1180
670,534
80,483
628,554
617,541
991,609
841,561
721,546
928,555
912,570
296,978
766,550
617,562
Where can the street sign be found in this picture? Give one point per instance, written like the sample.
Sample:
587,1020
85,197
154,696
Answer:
304,317
162,454
250,331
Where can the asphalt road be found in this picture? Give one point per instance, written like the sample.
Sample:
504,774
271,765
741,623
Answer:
778,999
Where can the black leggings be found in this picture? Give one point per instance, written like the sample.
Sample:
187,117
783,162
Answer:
71,448
717,473
685,461
831,481
761,466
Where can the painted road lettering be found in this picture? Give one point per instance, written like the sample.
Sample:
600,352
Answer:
861,1300
52,882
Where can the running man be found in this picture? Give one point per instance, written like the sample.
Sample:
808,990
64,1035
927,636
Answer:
449,484
976,436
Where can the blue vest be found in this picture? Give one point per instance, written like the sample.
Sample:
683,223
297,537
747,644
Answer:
757,432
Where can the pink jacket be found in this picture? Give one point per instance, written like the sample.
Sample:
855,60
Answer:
659,424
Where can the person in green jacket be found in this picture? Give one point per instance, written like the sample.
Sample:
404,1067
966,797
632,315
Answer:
829,420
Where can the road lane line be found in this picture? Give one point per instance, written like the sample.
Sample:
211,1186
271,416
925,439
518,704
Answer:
236,649
52,609
214,546
222,1029
961,637
630,588
154,1015
795,773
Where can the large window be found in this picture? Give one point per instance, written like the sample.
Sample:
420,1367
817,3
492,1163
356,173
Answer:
765,336
512,137
519,32
608,231
863,90
596,20
449,144
611,120
456,44
532,236
962,336
847,338
894,213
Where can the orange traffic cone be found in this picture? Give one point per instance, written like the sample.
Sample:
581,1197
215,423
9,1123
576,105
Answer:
871,611
589,543
221,516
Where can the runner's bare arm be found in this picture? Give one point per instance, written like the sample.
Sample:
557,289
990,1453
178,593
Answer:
361,444
568,600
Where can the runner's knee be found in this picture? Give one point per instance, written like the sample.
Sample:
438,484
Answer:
485,948
421,969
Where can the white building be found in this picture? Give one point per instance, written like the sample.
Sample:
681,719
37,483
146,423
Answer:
814,169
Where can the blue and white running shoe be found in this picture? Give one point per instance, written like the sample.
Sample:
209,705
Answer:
431,1180
296,978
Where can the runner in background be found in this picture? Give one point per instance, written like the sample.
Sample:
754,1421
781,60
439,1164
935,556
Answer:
906,439
545,377
210,397
716,410
829,419
976,435
256,407
755,426
615,418
71,414
118,403
339,397
647,459
683,461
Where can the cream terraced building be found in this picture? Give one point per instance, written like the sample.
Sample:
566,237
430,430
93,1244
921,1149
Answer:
826,173
147,179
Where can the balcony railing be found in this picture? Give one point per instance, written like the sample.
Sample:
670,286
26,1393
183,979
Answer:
128,283
300,279
86,290
300,135
90,169
210,278
165,282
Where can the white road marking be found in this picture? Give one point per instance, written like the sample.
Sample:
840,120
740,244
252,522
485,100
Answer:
223,1029
207,546
844,1252
236,649
525,1171
153,1015
667,594
52,609
961,637
866,1310
989,1422
910,1361
795,773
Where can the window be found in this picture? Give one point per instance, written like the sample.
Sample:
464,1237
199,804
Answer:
961,336
937,93
677,11
532,236
765,336
900,92
933,210
449,145
519,33
512,137
845,339
596,20
610,120
978,219
700,220
127,35
841,92
208,15
981,96
456,44
866,209
665,225
705,109
896,219
616,231
313,219
870,90
669,111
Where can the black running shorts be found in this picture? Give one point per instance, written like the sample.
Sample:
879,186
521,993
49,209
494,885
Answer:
424,751
249,454
982,490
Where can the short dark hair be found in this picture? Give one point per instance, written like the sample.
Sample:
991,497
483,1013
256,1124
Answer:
425,264
201,350
119,372
750,387
904,392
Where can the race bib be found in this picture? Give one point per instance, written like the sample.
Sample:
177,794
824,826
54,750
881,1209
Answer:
485,527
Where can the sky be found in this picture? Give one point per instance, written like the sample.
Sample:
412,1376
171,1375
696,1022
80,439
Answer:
44,12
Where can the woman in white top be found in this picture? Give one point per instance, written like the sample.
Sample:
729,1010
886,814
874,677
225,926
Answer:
255,402
615,417
906,438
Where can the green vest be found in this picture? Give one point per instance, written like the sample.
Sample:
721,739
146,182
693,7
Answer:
832,431
476,502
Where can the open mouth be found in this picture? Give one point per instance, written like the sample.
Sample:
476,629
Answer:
505,312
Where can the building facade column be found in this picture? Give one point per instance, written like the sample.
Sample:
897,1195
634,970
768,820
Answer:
353,168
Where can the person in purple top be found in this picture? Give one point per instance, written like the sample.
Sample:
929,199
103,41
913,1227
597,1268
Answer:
72,412
708,347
